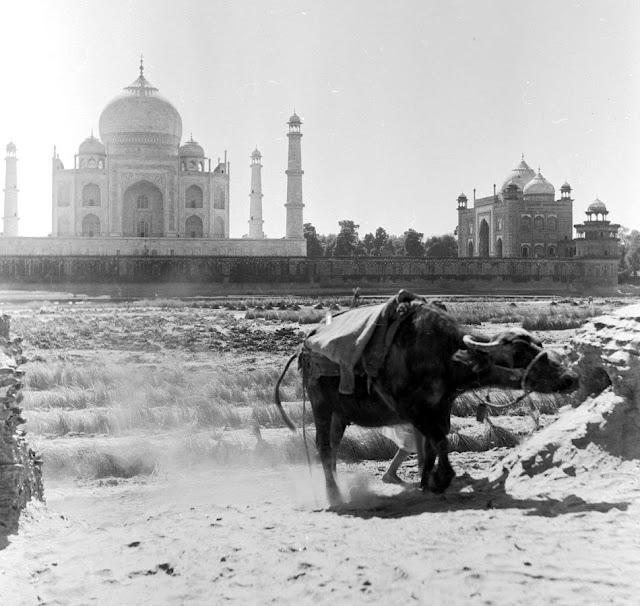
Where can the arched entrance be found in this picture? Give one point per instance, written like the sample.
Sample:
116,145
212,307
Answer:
483,242
143,205
193,227
91,226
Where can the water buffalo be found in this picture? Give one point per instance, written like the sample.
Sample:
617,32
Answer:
427,364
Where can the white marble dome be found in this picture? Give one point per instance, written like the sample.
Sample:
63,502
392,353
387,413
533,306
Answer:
91,146
191,149
140,115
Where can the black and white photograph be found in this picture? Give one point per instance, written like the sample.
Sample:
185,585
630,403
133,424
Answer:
320,302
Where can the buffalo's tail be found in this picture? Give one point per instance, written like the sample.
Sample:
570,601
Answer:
285,416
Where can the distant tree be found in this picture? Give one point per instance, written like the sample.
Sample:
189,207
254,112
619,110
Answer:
329,244
347,239
630,254
380,241
438,247
368,243
413,245
314,247
393,247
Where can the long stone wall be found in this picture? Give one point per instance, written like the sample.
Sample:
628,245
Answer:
156,247
221,275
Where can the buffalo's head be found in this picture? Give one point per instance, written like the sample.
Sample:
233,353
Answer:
516,358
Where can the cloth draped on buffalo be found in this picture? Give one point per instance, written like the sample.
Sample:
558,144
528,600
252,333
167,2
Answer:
359,338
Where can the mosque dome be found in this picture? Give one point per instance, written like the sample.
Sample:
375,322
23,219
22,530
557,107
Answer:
597,207
519,176
256,154
140,115
295,119
91,145
539,186
11,147
191,149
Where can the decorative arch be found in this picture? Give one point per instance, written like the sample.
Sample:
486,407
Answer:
470,248
552,251
525,251
538,251
143,211
193,197
483,239
552,223
193,227
91,195
218,227
538,223
525,223
142,228
91,226
499,247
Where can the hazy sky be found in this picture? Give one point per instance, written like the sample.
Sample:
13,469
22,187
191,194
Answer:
405,104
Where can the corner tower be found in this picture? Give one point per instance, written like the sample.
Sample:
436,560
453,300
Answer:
294,174
255,197
10,219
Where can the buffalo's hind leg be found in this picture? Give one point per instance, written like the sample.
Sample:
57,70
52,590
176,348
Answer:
443,474
323,415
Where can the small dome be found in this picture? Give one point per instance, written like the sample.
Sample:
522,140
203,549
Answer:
191,149
519,176
597,207
539,186
256,153
91,145
295,119
565,187
11,147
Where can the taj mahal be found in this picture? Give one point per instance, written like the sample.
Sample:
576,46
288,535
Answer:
138,189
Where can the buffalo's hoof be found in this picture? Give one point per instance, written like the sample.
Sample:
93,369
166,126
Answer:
440,480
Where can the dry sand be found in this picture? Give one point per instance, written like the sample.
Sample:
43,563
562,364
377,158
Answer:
204,536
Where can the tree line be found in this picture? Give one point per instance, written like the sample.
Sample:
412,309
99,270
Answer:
347,243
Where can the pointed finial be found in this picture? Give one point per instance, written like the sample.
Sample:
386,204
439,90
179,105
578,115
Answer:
522,156
141,65
92,133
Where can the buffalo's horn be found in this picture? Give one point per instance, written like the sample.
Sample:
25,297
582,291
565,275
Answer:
469,341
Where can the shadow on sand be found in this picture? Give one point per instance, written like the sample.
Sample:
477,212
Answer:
465,493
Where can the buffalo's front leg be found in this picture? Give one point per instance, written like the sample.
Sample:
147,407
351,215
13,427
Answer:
443,474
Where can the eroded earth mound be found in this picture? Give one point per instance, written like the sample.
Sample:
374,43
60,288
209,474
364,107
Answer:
595,445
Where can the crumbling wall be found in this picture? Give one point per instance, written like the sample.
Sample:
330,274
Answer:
600,435
20,468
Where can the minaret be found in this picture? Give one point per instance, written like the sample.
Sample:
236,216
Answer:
294,173
10,219
255,197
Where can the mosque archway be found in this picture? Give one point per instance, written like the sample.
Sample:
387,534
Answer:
193,227
483,239
143,204
91,226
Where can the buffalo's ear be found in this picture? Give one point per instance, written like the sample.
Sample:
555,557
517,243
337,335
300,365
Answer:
474,361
